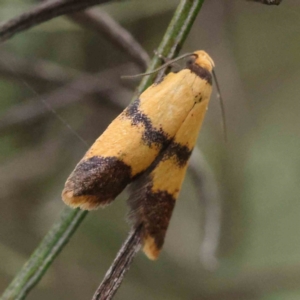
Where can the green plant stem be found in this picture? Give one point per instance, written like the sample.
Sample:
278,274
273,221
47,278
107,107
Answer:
174,37
45,253
62,230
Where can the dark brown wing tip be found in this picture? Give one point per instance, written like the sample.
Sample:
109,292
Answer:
96,182
83,202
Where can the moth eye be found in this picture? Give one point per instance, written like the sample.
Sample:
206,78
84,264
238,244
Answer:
190,61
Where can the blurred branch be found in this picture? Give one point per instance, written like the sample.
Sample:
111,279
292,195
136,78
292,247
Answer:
210,198
61,231
43,12
114,276
114,32
268,2
72,93
37,70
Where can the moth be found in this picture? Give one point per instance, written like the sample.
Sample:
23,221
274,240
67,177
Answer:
148,146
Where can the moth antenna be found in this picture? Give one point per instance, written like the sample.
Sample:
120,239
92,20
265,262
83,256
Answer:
160,68
219,96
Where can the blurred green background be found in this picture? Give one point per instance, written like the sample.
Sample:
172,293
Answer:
256,49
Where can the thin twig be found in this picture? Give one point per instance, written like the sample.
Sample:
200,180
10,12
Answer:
72,93
209,196
118,35
36,70
174,37
114,276
267,2
45,253
43,12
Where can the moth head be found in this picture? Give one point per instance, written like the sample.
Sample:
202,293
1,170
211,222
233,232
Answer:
202,59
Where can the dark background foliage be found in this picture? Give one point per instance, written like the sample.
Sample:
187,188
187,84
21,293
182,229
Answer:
256,51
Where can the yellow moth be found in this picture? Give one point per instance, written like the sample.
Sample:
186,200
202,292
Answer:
148,145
